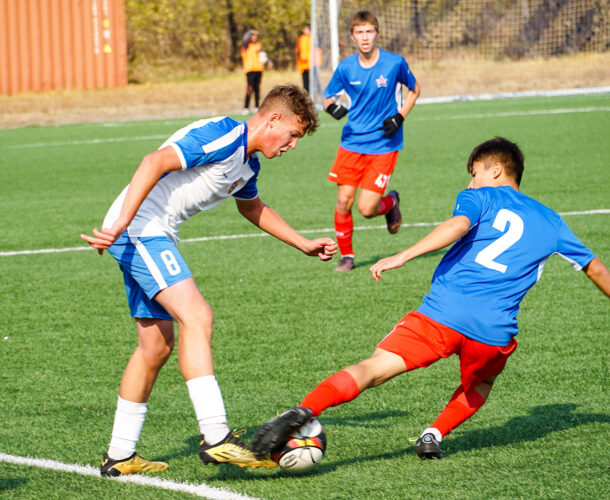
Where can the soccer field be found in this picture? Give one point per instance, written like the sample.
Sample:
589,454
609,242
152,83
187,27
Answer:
283,321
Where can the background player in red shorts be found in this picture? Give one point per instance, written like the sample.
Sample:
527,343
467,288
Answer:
372,79
502,241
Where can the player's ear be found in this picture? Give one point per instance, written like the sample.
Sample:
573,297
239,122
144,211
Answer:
497,169
274,118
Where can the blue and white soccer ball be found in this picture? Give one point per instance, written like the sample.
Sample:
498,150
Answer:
304,449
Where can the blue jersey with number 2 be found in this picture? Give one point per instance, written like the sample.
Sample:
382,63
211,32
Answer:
478,285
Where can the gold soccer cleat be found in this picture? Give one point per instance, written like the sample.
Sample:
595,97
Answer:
232,450
131,465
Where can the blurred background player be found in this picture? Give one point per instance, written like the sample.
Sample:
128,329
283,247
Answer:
502,240
196,169
372,79
303,50
254,60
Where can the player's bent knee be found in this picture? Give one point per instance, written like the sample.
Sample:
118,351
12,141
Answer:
157,354
368,212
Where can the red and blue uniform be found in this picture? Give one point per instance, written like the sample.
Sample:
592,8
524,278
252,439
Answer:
374,94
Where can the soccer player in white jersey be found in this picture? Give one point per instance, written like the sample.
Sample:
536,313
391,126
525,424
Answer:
197,168
372,79
502,239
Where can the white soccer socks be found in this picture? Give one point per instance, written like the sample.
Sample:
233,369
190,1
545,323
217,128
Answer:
209,408
128,421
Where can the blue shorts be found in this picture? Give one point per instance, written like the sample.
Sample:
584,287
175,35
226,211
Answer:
149,265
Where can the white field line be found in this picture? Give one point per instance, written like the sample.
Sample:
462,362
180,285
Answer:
87,141
200,490
262,234
475,116
503,114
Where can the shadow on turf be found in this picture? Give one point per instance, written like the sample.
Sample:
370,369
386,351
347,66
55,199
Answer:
542,420
224,471
12,483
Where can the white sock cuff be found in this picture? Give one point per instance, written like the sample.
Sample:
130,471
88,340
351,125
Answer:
203,383
435,432
131,408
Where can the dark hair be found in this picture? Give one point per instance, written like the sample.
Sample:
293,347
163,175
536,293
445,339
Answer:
363,17
245,41
296,100
502,151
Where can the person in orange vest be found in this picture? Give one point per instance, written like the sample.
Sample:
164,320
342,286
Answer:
303,50
254,60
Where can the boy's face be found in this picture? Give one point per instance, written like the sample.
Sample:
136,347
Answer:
482,175
283,132
365,38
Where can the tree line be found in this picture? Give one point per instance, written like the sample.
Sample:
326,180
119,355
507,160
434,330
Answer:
212,30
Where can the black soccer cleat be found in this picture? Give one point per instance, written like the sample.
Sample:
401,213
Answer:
134,464
275,432
394,218
346,264
428,447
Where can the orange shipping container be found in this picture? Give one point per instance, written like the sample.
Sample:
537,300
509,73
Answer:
62,44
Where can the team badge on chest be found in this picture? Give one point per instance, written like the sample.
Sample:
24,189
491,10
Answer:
381,81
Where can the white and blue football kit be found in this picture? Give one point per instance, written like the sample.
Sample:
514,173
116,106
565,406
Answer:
478,285
214,167
374,94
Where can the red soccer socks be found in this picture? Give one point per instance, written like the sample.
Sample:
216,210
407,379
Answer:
335,390
386,204
344,227
461,407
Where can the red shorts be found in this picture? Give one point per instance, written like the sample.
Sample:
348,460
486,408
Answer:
421,341
370,172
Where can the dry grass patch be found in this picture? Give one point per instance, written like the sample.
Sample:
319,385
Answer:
223,94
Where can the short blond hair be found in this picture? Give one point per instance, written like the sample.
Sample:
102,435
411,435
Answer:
297,101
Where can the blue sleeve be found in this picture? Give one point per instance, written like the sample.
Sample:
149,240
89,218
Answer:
250,190
219,136
470,204
571,248
405,76
335,86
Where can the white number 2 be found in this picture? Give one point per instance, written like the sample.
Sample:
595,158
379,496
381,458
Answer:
170,262
515,230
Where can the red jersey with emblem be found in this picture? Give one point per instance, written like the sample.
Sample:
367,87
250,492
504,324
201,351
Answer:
373,94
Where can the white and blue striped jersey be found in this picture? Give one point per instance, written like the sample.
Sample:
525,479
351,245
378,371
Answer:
374,94
214,166
480,282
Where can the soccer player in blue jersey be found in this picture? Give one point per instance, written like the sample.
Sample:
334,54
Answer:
372,80
501,241
197,168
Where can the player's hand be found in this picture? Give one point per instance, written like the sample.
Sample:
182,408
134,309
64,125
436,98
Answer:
392,262
392,124
337,111
324,248
104,239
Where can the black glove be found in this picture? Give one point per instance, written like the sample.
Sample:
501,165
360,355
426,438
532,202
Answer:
337,111
392,124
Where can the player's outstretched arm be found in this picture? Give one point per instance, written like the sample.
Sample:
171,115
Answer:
152,167
598,273
442,235
270,221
